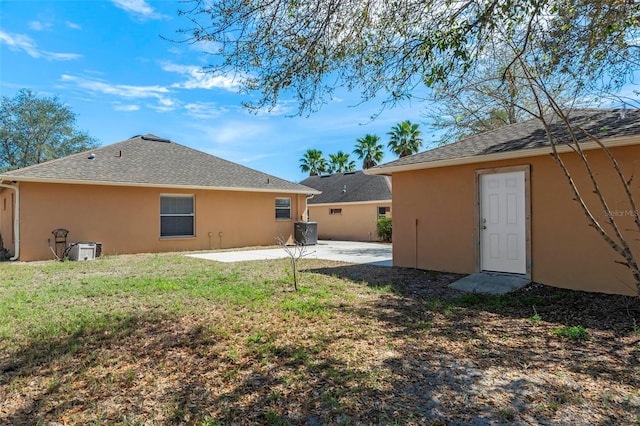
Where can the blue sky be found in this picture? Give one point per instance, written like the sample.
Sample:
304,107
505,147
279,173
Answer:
108,62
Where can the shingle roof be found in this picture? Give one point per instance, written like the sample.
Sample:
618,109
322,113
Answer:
153,161
530,134
349,187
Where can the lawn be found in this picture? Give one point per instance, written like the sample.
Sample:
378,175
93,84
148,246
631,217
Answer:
167,339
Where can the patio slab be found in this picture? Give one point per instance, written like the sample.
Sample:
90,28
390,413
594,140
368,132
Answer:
378,254
490,283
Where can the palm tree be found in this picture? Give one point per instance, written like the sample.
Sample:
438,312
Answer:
313,162
339,162
405,139
369,150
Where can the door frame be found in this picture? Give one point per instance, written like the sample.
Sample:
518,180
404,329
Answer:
526,168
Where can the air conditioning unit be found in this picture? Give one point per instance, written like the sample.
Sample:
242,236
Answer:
82,251
306,233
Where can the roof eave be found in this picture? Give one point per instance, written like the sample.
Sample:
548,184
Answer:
524,153
310,191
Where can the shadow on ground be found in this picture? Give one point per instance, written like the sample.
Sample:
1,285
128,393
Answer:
619,314
416,352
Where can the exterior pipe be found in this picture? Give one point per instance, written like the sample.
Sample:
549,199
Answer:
16,219
306,206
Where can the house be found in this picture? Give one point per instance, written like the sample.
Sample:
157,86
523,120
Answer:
498,201
145,194
349,205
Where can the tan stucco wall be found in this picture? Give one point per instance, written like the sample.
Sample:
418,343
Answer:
127,219
357,222
565,251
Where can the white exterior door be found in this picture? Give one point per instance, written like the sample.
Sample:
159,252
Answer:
503,222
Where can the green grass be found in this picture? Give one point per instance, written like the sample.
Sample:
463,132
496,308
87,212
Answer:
164,338
52,299
535,318
577,332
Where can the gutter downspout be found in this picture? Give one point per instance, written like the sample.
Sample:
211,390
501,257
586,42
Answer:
16,219
306,206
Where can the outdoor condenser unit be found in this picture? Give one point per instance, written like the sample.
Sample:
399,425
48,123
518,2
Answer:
306,233
83,251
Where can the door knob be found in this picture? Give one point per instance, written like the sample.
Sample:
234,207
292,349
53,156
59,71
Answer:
483,227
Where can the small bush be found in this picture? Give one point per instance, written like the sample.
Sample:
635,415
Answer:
573,333
384,228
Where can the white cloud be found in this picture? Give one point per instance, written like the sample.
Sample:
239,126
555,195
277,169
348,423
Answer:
164,105
122,90
159,93
281,108
196,78
257,157
205,46
39,25
21,42
239,133
73,25
140,8
127,107
161,108
204,110
238,136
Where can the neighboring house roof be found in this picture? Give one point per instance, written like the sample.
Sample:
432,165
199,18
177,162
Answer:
522,139
152,161
349,187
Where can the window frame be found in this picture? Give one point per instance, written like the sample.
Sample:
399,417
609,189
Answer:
387,209
192,215
335,211
289,216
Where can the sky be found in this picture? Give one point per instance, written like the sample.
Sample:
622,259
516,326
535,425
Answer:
111,63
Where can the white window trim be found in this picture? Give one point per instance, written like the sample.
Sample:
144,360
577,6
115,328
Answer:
193,198
282,208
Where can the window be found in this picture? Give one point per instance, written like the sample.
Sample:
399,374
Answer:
177,216
335,211
383,211
283,208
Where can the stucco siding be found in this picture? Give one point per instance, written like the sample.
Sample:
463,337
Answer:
127,219
565,251
433,218
356,222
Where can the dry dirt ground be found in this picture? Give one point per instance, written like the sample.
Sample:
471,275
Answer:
396,347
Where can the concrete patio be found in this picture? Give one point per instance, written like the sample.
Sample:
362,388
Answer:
378,254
